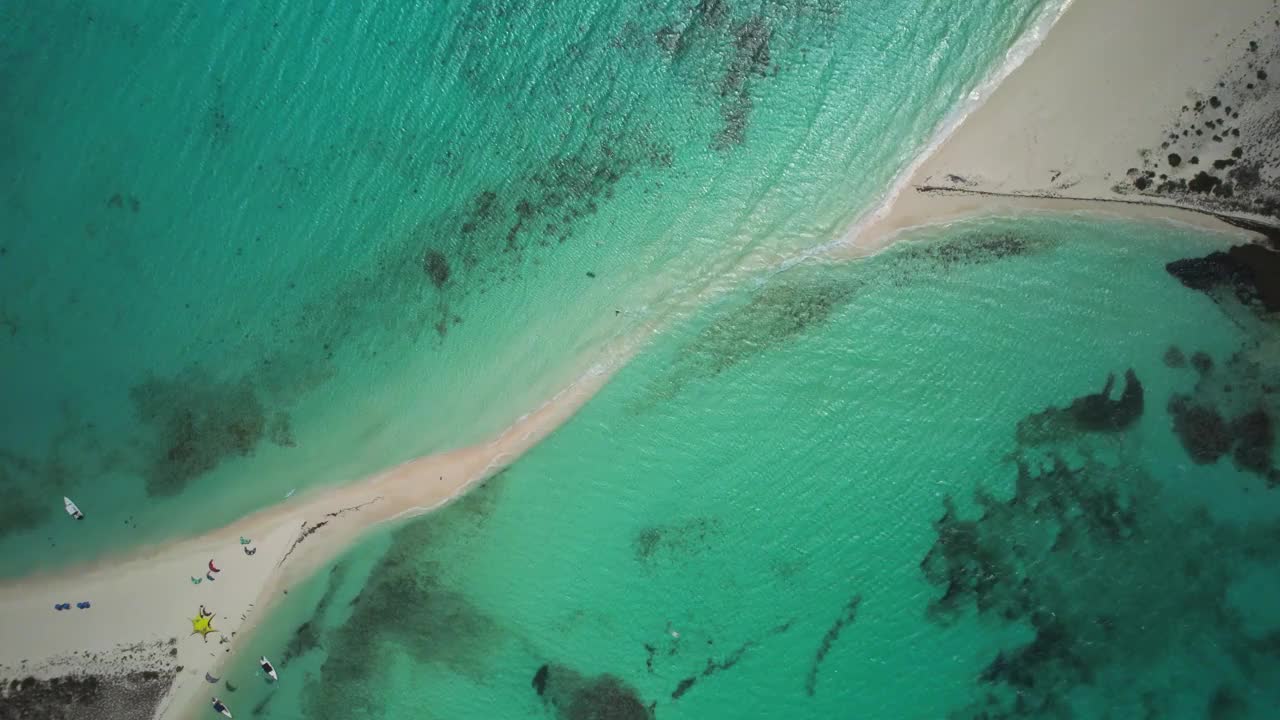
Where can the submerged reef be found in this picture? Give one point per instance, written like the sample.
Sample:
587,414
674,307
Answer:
1231,411
19,511
1049,555
847,615
673,541
1250,272
715,664
1096,412
777,314
573,696
307,637
972,247
197,423
725,54
1233,405
404,604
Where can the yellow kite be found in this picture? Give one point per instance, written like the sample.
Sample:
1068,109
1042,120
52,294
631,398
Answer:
204,626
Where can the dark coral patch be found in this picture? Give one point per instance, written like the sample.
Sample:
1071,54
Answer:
405,604
482,210
1045,559
1202,362
436,266
307,637
751,58
778,313
574,696
1227,704
847,615
1255,438
1203,431
683,687
19,511
1096,412
540,680
1251,272
740,52
975,249
1174,358
714,666
675,540
1207,435
196,424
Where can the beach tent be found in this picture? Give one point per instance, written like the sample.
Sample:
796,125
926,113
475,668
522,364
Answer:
202,625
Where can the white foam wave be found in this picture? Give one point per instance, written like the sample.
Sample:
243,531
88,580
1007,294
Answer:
1022,48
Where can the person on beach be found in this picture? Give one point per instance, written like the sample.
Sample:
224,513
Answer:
205,613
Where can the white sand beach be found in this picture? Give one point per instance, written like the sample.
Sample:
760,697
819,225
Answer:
141,603
1059,134
1064,129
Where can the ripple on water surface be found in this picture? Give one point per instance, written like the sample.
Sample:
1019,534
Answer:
965,476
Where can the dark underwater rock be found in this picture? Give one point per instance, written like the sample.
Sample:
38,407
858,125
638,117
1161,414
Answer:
574,696
436,266
1203,431
1251,272
847,616
197,423
405,604
1095,412
1202,362
1174,358
1255,437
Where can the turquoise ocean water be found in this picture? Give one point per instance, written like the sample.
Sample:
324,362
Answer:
251,247
853,491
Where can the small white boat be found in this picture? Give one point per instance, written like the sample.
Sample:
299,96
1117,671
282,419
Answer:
268,668
217,705
72,510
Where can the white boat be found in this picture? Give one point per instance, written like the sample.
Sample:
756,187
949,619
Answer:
268,668
217,705
72,510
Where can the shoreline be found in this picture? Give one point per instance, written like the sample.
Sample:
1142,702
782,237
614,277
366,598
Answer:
1099,118
945,205
150,595
998,169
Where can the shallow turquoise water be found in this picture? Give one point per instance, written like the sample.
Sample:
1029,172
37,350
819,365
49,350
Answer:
769,478
250,247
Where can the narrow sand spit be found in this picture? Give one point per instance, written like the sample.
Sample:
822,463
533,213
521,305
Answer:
1079,126
143,604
